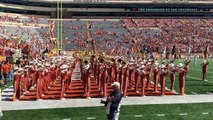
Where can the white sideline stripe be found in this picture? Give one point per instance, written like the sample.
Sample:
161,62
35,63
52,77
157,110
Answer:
205,113
200,79
138,115
183,114
194,93
67,119
200,70
91,118
160,115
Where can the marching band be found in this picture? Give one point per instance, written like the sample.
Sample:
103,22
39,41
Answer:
133,74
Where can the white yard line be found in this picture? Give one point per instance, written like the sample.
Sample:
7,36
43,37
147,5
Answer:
161,115
200,70
200,79
205,113
67,119
91,118
181,114
138,115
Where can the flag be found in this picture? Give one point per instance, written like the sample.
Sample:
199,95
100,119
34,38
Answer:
206,51
173,50
189,49
25,50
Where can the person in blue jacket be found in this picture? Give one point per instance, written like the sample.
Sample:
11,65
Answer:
113,102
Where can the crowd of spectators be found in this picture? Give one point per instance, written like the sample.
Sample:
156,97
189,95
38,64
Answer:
17,31
118,36
133,35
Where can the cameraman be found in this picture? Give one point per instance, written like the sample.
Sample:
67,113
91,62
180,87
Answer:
112,103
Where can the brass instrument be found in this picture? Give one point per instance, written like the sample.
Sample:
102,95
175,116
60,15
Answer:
101,60
113,60
86,62
119,60
124,63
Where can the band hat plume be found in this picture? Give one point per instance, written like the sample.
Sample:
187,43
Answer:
21,69
156,64
16,68
131,60
204,61
63,67
180,65
142,67
162,66
171,65
26,66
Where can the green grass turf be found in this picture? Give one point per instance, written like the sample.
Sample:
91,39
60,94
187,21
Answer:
8,85
194,82
148,112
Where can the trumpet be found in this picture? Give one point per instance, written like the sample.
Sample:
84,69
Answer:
119,60
124,63
101,60
113,60
86,62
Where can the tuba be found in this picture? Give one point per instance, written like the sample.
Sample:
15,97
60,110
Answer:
101,60
85,61
119,60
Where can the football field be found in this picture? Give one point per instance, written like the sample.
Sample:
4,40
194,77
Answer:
140,112
194,82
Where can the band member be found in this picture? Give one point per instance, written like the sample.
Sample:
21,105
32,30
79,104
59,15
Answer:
148,70
39,79
113,71
17,78
64,77
142,79
181,72
172,71
156,75
204,68
32,73
53,72
137,78
131,73
26,78
162,78
126,80
104,77
86,73
187,65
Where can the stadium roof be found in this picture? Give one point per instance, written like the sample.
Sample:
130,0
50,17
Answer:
124,1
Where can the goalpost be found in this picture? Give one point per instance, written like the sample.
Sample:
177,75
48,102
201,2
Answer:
59,25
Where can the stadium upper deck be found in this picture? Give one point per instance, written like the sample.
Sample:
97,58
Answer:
111,8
